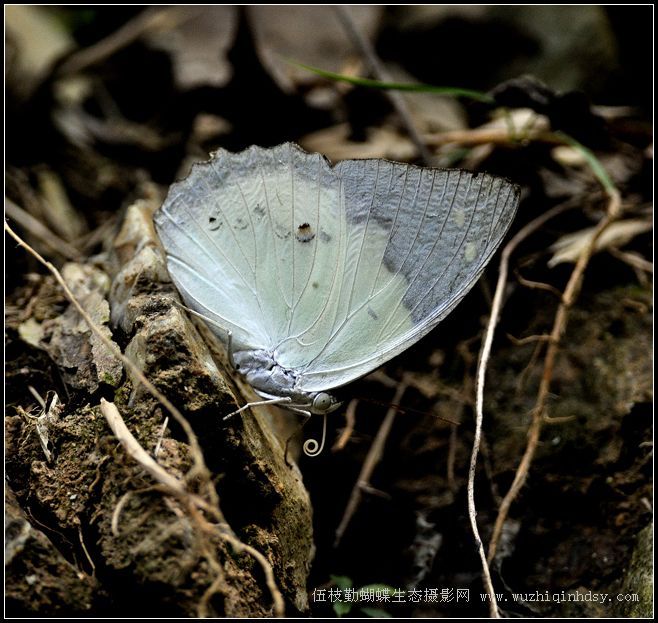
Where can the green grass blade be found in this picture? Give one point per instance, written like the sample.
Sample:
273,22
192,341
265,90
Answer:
593,162
399,86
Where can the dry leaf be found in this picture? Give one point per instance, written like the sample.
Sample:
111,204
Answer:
335,144
83,359
38,40
430,112
49,416
32,332
60,215
198,39
568,248
311,34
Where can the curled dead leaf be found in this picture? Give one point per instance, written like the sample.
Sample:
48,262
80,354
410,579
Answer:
569,247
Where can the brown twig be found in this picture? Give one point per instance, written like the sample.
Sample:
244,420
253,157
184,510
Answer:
530,339
135,450
193,503
463,398
521,379
634,260
496,136
379,71
40,231
559,326
86,551
350,419
481,371
452,455
537,285
372,459
118,509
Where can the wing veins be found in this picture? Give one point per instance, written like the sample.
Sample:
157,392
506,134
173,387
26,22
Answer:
363,239
390,234
235,238
235,179
199,302
273,231
196,242
333,285
315,246
436,242
454,255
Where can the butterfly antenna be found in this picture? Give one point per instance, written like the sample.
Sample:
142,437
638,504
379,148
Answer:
311,446
409,410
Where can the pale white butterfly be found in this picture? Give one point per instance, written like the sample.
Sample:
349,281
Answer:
315,275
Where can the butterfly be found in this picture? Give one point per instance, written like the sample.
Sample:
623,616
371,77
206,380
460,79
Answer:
314,275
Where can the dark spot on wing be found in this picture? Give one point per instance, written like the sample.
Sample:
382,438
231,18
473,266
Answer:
324,236
372,314
214,223
305,233
315,284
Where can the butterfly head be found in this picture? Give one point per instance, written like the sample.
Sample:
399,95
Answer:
323,403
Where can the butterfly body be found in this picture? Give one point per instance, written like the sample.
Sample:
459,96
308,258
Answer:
315,275
270,380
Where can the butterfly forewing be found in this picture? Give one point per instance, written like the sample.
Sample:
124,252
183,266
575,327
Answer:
424,237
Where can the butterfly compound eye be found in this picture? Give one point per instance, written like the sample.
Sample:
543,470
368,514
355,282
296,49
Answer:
322,402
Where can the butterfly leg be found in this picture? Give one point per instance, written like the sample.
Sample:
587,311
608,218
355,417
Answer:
229,333
229,347
258,403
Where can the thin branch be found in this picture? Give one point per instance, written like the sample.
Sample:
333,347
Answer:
526,231
537,285
118,509
372,459
350,419
634,260
380,72
480,136
135,450
86,551
452,455
530,339
40,231
559,326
